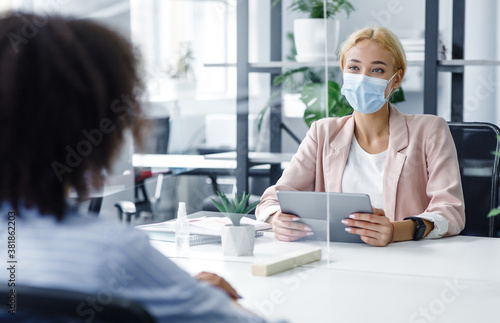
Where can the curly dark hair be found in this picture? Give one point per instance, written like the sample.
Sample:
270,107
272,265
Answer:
68,89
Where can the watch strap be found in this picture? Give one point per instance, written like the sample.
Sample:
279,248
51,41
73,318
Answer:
420,229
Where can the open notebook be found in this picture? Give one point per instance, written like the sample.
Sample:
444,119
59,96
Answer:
204,227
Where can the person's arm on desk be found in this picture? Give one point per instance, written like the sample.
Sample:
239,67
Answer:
219,282
376,229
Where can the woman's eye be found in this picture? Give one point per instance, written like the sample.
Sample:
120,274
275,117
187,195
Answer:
378,70
354,68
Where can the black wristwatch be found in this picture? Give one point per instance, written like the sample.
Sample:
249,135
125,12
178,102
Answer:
420,230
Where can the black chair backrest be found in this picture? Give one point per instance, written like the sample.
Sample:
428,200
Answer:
158,137
34,304
476,143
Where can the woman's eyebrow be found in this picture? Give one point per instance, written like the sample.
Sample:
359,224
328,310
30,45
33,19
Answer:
373,63
378,62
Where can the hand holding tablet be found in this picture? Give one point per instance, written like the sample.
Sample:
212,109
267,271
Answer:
287,227
314,208
374,229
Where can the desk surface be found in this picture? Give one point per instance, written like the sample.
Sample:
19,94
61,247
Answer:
453,279
180,161
225,161
255,157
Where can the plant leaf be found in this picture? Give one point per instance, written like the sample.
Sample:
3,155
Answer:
225,202
493,212
235,209
315,9
243,203
219,206
251,207
275,2
284,76
314,97
236,201
397,96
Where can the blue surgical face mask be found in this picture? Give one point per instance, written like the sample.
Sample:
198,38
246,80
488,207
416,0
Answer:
365,94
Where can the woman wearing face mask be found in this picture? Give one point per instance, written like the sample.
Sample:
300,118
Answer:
407,164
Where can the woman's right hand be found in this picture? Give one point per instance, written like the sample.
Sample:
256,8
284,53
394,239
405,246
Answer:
286,227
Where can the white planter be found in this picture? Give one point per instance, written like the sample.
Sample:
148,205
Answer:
238,240
310,39
178,88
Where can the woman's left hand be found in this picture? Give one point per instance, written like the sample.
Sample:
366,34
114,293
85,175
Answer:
374,229
217,281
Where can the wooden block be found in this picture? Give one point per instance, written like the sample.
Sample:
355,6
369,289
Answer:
286,261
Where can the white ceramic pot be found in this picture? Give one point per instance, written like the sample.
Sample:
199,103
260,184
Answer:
310,38
238,240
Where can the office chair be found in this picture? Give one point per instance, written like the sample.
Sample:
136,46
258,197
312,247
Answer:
34,304
157,143
476,143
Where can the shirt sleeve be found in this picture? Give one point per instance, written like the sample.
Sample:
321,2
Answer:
264,214
138,271
444,187
299,175
440,224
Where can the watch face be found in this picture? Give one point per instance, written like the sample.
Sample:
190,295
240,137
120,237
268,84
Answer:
420,229
419,232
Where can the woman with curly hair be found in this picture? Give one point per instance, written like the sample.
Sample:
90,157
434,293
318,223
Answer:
69,89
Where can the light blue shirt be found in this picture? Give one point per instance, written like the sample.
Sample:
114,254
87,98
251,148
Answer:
102,258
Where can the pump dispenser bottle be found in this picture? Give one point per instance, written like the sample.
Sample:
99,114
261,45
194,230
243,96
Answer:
182,229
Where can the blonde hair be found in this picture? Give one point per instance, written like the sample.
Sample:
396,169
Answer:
384,37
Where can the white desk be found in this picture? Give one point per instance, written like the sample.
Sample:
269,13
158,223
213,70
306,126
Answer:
449,280
223,161
255,157
184,162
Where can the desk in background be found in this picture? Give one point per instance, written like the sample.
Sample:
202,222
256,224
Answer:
453,279
220,161
96,196
263,164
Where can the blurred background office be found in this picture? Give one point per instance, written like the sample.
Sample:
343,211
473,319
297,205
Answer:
189,51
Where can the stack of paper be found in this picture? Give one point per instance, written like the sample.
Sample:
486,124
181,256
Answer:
202,229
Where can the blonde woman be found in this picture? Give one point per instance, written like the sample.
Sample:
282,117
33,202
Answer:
407,164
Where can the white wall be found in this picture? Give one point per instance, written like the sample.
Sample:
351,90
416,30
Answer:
497,39
480,100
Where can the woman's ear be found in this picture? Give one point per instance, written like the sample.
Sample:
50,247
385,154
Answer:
398,79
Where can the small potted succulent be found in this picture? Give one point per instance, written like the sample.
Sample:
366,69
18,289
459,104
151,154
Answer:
237,239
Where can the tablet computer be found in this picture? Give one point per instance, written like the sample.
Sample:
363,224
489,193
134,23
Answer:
313,207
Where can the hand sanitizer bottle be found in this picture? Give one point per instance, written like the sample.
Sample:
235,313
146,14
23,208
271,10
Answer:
182,229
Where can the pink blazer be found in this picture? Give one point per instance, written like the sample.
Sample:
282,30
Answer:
421,169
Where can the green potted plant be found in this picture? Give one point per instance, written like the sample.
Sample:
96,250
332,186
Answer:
237,239
182,78
310,34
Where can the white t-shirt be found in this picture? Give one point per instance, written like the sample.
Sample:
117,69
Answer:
364,173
